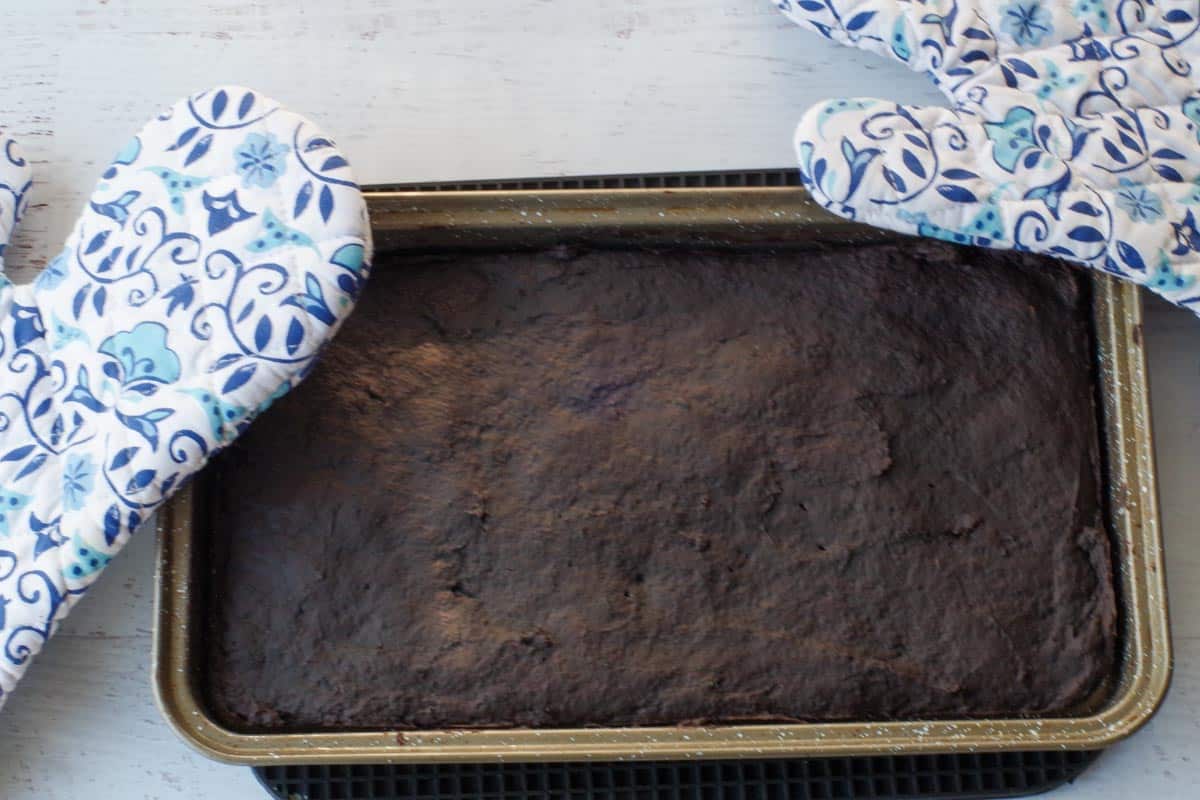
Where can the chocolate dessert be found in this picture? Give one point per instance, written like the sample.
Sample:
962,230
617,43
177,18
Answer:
579,488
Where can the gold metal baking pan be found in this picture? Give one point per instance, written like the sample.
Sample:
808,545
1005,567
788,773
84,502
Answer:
702,216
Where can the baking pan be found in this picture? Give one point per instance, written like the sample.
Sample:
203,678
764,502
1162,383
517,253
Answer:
500,218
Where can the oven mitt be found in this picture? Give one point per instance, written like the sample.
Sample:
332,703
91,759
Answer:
1074,130
222,247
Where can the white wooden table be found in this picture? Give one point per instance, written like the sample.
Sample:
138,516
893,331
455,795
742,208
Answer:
425,90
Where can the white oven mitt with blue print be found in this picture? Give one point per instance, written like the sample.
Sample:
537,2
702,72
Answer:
1073,130
221,248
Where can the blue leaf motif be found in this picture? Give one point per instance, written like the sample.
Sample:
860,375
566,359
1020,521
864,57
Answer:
123,457
198,150
326,203
246,104
98,299
1130,255
956,174
1167,152
1084,207
1129,141
82,395
262,333
295,335
317,143
96,243
859,21
239,378
956,194
1023,67
246,311
302,198
1177,15
333,162
913,164
106,264
894,180
1085,233
858,161
220,100
185,137
811,5
117,210
80,298
916,141
139,481
112,524
1114,152
1168,173
42,408
33,466
144,424
225,361
17,454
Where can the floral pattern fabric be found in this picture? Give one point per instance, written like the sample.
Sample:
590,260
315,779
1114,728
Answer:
1074,130
222,246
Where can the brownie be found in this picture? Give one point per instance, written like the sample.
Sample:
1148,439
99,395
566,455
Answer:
576,488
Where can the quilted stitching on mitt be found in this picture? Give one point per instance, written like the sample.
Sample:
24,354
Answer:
1074,130
222,246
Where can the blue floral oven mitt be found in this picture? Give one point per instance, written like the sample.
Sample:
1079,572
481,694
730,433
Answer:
224,244
1072,130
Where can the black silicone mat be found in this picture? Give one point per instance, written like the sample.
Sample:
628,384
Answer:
662,180
966,775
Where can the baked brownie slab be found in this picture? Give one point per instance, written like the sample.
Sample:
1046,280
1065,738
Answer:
633,488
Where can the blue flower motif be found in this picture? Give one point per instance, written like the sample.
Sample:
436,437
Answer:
10,504
1026,21
1187,235
224,211
1012,138
1093,10
1164,279
1141,204
78,480
259,160
1053,81
142,358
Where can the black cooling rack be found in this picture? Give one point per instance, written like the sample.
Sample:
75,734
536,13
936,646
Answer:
964,776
